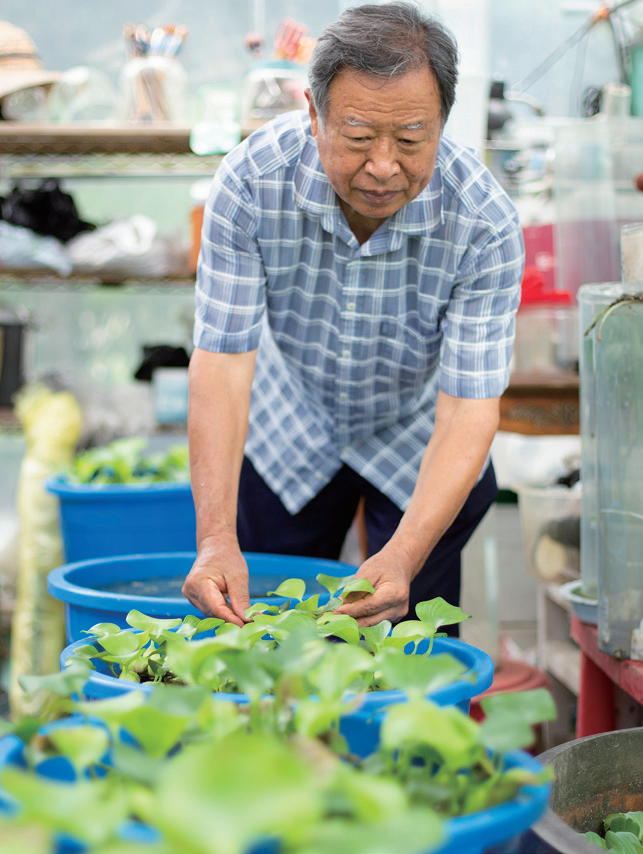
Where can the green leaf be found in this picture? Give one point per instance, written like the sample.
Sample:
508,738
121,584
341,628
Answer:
193,625
357,585
156,730
333,583
309,604
315,717
112,710
437,612
152,625
205,792
623,843
21,837
419,674
83,745
102,629
70,680
375,635
91,811
532,706
291,588
628,821
412,630
339,625
510,718
451,733
260,608
339,668
247,672
418,829
595,838
124,643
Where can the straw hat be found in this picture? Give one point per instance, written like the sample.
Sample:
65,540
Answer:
20,65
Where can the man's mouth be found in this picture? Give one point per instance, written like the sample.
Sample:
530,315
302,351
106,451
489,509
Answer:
379,196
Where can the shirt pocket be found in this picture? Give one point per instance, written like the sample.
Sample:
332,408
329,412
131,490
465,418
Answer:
408,352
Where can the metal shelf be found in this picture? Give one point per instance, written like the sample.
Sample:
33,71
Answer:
45,280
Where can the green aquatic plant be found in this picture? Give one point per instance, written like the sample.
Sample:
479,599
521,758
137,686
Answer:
126,461
201,776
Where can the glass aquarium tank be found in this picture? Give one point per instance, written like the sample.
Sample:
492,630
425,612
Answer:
592,300
617,350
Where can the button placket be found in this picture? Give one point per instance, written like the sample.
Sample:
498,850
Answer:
347,337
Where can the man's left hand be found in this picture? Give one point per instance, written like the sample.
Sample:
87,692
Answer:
391,580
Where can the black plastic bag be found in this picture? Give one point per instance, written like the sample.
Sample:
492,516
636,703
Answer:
161,356
45,209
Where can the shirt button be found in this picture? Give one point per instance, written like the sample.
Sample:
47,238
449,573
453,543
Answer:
343,395
346,354
351,306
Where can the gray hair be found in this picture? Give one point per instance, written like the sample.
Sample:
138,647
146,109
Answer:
384,41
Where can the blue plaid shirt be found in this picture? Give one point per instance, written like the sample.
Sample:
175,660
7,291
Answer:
354,341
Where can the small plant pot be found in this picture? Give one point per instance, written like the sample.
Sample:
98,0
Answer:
105,590
594,776
99,520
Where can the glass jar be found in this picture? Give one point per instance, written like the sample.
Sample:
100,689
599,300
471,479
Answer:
154,89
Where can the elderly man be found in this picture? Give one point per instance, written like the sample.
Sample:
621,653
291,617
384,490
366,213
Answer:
357,286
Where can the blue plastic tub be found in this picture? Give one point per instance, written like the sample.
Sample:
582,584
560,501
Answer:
104,590
499,827
478,677
120,519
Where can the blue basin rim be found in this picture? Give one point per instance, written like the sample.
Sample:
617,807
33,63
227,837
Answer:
105,491
67,582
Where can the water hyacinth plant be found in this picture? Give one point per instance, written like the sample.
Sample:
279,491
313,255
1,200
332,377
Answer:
176,771
250,659
126,461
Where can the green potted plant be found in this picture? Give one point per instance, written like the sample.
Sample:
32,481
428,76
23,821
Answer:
123,499
177,771
246,663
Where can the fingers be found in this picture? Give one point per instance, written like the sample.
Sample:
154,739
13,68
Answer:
239,598
208,598
376,607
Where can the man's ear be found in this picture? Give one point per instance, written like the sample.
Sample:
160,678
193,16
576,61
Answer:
312,112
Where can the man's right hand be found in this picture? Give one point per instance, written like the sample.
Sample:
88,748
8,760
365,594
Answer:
217,584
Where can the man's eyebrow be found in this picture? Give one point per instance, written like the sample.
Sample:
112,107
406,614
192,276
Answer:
359,123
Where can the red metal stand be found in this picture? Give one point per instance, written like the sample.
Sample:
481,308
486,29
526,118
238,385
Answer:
599,673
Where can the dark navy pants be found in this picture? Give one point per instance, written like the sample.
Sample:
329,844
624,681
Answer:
319,529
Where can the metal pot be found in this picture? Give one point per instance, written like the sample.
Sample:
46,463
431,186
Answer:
595,776
12,345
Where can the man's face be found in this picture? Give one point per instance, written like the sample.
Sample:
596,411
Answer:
379,142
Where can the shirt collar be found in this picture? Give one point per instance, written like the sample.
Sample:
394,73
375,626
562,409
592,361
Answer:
314,194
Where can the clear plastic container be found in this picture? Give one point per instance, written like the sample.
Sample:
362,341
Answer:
272,88
595,164
550,525
546,338
592,300
618,355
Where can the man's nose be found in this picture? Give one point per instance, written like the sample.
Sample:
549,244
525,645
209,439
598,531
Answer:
382,162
